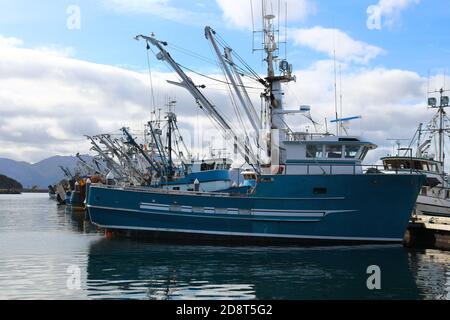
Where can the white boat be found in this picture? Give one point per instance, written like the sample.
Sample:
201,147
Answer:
433,202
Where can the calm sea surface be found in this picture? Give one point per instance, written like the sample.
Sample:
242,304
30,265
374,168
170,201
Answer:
53,253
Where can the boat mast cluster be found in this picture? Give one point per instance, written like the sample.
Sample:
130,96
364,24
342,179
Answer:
266,135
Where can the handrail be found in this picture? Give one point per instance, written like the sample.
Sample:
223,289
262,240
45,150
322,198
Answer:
377,171
158,190
331,169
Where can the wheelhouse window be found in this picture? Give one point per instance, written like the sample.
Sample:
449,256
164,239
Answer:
351,152
409,164
223,166
397,164
207,166
334,151
425,166
314,151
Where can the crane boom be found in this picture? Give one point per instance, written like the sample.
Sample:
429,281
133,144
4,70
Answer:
203,102
238,88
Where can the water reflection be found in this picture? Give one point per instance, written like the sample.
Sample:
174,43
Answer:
431,269
38,241
128,269
77,219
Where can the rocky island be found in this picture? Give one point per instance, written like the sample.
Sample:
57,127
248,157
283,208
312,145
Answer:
9,186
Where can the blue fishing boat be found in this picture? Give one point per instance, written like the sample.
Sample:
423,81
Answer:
339,207
310,188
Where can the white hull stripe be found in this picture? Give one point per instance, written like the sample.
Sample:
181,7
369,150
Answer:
186,209
211,216
253,212
245,234
288,214
159,207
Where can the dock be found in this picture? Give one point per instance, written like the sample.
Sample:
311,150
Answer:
429,232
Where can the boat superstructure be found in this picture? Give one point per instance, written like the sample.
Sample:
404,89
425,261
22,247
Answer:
433,201
299,186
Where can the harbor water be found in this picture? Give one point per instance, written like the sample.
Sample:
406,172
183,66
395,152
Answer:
50,252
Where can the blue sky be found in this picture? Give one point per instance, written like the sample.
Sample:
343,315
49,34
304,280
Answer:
58,84
419,40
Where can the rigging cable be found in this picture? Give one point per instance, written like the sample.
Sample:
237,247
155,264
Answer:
214,79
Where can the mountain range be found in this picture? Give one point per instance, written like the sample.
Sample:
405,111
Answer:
40,174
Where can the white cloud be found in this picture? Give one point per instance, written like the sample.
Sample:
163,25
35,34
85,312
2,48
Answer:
238,13
391,102
391,9
48,102
327,40
10,42
390,6
57,50
165,9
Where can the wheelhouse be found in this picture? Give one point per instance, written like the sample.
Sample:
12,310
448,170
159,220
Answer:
328,148
210,164
411,163
325,154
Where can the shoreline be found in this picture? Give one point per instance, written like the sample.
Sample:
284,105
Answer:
14,191
10,191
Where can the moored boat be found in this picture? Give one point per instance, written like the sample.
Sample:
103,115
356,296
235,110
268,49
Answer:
313,188
433,201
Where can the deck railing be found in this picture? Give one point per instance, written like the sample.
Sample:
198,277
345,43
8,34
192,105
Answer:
317,169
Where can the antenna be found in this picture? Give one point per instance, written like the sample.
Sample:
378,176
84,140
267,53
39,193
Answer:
340,94
445,75
335,91
253,25
285,30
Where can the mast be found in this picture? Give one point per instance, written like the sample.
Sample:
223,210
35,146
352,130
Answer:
171,118
274,94
442,117
441,128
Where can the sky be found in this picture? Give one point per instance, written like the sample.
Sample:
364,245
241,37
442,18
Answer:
72,68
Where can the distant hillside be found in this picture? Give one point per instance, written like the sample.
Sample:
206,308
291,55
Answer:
40,174
9,185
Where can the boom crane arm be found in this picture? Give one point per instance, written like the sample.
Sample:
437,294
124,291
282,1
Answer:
131,140
203,102
112,164
235,80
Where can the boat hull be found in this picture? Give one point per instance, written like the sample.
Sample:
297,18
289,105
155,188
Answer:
433,206
321,209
